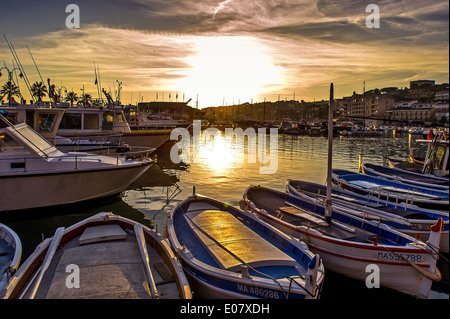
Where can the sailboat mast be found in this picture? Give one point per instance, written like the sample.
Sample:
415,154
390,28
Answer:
330,155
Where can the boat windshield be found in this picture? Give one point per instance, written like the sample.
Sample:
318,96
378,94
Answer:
32,141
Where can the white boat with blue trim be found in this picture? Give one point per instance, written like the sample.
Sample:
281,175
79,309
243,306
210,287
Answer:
349,244
415,178
229,253
10,254
391,190
409,219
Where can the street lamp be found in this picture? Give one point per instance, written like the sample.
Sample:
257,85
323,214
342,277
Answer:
10,79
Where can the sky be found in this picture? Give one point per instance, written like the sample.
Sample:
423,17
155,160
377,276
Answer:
223,52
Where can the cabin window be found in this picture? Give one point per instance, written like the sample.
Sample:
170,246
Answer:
91,122
70,121
12,117
108,117
46,122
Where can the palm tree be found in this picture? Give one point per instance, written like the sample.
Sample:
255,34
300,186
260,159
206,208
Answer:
71,97
11,89
38,89
86,99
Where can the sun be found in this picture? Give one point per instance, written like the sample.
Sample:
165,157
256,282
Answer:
216,152
228,70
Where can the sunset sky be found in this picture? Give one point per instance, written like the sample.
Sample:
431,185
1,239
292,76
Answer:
228,51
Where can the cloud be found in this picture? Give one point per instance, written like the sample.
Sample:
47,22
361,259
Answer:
148,44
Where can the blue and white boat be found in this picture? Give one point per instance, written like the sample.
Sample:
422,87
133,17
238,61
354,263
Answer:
421,180
391,190
348,244
229,253
10,254
408,219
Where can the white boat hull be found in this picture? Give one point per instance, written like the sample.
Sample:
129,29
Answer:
146,139
65,187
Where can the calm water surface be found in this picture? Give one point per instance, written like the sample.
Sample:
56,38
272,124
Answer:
221,169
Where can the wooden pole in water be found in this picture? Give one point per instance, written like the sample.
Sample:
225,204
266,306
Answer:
330,156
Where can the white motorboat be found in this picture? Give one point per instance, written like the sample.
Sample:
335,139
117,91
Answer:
34,173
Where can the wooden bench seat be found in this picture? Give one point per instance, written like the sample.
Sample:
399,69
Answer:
297,212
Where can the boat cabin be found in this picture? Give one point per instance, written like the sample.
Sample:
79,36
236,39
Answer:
81,120
42,118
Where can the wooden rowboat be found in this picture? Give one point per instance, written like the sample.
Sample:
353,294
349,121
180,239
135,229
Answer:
422,180
349,244
228,253
391,190
409,219
102,257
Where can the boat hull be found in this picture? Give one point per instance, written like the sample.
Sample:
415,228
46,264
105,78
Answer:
149,138
64,187
391,190
11,248
411,227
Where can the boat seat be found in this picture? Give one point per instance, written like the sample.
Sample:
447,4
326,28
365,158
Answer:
102,233
297,212
231,244
200,206
164,272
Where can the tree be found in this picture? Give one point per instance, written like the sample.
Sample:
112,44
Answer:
38,89
86,99
10,89
71,97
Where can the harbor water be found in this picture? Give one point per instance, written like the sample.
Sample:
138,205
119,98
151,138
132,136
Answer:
223,169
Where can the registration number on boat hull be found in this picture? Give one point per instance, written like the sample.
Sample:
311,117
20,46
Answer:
399,256
259,292
420,227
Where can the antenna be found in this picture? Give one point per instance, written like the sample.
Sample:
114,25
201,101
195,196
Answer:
35,65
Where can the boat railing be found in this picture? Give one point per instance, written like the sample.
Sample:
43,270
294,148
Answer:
98,138
21,162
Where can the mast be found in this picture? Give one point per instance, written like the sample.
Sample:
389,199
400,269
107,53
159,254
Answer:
330,156
19,64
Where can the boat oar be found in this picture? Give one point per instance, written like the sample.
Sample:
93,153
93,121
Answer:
139,232
48,259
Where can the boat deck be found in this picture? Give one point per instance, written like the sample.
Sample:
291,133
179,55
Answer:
275,206
225,244
231,243
109,268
